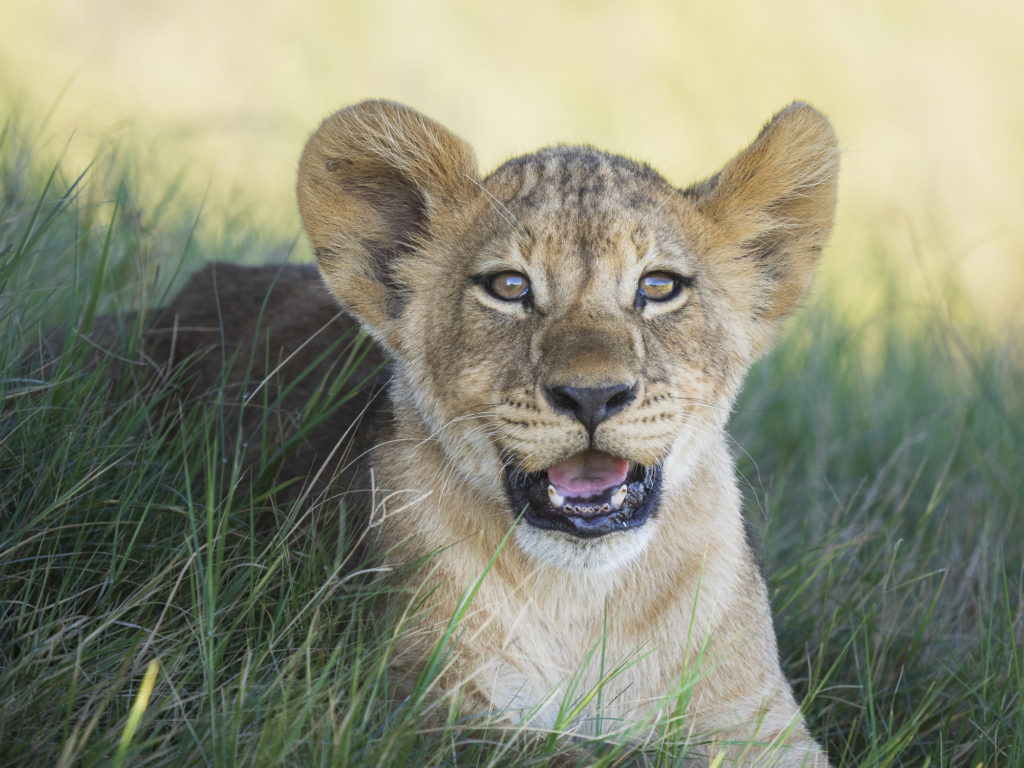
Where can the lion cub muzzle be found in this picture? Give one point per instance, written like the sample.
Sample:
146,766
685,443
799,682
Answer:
592,493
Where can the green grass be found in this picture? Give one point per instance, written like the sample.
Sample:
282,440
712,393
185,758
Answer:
880,457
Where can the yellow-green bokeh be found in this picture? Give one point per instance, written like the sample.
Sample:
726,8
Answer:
927,97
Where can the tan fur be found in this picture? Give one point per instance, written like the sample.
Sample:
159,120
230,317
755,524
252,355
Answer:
403,226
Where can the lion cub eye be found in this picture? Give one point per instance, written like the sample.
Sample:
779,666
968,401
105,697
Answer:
508,286
659,286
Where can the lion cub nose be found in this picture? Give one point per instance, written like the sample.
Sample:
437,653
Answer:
591,405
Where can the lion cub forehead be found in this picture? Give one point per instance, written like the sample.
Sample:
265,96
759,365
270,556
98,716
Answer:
580,180
578,203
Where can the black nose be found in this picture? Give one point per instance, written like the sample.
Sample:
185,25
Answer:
591,405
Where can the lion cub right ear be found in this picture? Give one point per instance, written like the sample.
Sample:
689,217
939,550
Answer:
376,182
769,212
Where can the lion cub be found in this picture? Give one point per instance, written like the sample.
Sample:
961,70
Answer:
568,335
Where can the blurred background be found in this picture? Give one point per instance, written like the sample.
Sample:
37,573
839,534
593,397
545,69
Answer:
927,99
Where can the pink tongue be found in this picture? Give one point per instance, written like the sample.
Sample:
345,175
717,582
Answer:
587,473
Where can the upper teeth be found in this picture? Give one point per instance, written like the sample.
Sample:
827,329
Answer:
619,496
556,500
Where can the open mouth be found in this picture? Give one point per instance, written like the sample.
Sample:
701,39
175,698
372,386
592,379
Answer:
589,494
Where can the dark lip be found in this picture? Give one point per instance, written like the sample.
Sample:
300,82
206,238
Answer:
528,492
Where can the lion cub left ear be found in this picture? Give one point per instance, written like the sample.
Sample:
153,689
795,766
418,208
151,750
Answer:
377,183
768,213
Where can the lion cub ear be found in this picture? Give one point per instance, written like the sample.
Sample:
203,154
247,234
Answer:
769,212
375,182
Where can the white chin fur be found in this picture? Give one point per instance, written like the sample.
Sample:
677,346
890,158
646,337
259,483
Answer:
604,553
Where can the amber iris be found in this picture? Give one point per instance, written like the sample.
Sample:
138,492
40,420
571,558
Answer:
658,285
509,286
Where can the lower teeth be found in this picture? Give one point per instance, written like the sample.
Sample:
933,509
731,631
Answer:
621,504
629,500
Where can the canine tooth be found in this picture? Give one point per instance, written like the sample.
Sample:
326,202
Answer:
619,496
556,500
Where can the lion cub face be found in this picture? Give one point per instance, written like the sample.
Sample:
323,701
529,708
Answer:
569,351
572,330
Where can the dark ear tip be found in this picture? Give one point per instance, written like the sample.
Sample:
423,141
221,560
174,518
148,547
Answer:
368,108
800,106
802,109
801,120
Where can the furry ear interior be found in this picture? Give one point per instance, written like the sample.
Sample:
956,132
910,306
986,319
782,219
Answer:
771,208
373,181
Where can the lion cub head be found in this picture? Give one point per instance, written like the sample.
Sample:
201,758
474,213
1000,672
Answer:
571,329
